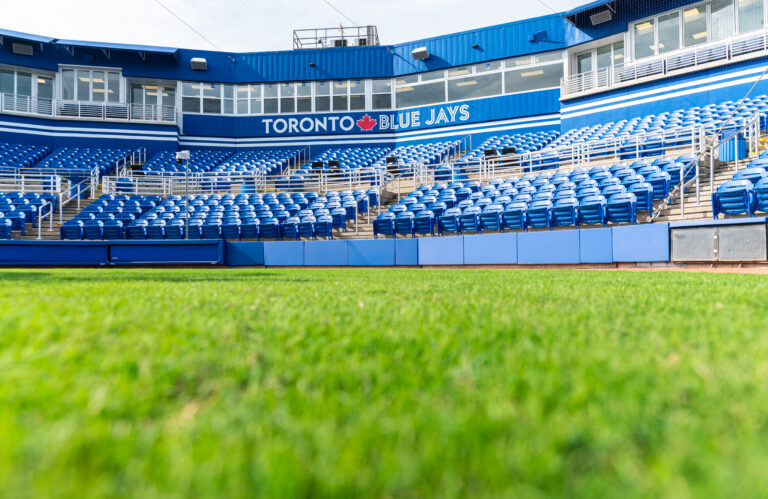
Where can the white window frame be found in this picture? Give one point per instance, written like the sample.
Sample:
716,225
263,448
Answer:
122,97
708,15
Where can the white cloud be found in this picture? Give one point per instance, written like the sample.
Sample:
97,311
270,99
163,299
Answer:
255,25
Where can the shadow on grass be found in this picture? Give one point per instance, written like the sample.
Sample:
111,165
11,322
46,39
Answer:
121,275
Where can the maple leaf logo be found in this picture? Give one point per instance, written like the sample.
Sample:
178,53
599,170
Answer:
366,124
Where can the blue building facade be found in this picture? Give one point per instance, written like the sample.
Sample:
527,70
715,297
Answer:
478,83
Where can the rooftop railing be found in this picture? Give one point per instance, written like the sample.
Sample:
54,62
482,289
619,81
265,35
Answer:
318,38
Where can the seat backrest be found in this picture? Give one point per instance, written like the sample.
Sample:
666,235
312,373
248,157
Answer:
493,208
622,197
540,204
516,206
593,199
751,173
613,189
566,201
640,187
647,170
735,185
465,204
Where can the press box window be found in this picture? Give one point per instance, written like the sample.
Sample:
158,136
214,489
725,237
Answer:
228,100
242,99
322,96
474,87
256,99
287,98
340,99
534,78
190,97
211,98
304,97
420,95
270,98
381,91
356,95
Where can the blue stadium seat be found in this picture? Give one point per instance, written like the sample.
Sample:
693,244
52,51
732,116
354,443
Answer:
93,230
734,197
761,195
384,224
112,229
470,219
540,214
565,211
515,215
269,228
324,226
290,228
661,184
424,223
622,208
643,192
592,210
71,229
450,222
490,218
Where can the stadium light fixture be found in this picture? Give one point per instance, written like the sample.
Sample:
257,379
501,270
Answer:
420,54
22,49
199,63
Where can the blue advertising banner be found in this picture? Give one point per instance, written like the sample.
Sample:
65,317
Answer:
375,122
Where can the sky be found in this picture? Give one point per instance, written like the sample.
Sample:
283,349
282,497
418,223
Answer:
256,25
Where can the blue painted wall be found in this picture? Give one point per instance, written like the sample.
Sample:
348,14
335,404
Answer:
730,82
66,133
494,42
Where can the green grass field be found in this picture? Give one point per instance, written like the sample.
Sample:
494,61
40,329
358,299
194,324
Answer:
369,383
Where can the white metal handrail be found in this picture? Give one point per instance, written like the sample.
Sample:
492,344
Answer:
26,104
750,45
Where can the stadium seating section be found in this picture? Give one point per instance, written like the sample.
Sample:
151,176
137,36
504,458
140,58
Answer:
73,158
18,210
544,200
20,156
243,216
348,158
521,143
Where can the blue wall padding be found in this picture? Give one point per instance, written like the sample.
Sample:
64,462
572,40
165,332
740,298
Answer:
641,243
596,245
371,252
441,250
167,253
407,252
284,253
490,249
548,248
52,253
325,253
245,253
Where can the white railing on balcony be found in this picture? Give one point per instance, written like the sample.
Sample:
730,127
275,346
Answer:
750,45
25,104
